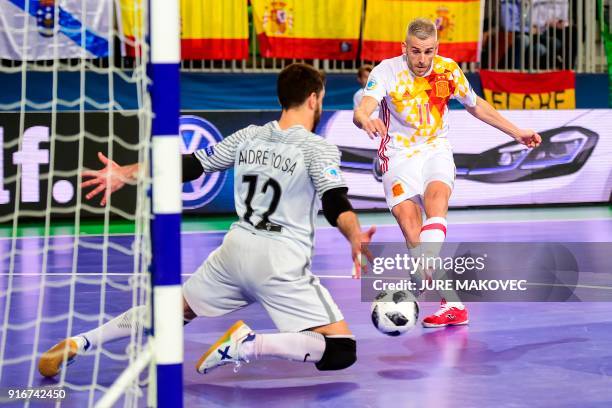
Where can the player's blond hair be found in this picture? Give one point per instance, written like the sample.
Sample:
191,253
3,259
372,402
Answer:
422,29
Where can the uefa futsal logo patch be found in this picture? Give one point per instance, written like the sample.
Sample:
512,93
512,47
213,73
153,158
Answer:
371,84
196,134
332,173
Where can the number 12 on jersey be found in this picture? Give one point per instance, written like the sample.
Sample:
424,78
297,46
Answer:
251,180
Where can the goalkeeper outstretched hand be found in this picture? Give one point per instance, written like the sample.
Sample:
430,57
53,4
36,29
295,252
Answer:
108,179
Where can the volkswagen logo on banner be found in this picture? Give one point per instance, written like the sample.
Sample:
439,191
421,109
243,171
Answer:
198,133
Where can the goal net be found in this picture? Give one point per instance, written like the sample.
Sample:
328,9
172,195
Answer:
78,78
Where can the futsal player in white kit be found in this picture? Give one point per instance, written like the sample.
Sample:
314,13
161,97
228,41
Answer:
413,91
281,170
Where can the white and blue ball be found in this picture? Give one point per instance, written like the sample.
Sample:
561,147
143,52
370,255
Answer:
394,313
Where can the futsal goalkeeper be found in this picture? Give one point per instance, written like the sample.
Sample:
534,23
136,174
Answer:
279,171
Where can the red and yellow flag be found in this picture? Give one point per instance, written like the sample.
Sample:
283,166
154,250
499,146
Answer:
210,29
213,29
459,25
513,90
130,27
326,29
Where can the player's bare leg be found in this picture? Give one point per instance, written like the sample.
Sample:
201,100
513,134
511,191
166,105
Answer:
329,347
410,219
436,199
188,313
334,329
433,232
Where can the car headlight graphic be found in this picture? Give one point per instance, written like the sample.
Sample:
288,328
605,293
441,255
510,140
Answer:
512,154
563,151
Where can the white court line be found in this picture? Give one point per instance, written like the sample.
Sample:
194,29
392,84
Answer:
328,227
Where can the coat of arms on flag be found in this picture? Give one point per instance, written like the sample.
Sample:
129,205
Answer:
67,29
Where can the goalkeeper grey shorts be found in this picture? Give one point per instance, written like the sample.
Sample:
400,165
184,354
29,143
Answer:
250,267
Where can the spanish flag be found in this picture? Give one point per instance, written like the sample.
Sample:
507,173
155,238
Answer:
213,29
130,15
210,29
326,29
513,90
459,25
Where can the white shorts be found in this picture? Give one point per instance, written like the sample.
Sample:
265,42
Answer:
249,268
408,177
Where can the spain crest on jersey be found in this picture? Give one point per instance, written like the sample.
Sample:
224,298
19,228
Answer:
442,89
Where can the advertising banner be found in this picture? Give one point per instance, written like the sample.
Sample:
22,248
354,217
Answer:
571,166
211,193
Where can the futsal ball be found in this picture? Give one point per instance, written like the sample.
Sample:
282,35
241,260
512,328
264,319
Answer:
394,313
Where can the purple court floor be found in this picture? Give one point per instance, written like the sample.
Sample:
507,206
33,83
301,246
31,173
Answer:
511,355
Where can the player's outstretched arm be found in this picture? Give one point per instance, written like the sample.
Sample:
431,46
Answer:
361,118
339,213
487,113
113,177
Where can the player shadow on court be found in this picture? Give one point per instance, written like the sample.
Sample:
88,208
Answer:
401,374
81,375
453,348
233,395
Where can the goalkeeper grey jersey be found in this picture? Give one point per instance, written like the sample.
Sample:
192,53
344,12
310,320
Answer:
279,177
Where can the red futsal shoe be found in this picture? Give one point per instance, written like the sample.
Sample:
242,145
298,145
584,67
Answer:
447,315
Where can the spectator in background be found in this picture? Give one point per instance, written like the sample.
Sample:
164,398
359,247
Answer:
550,21
363,73
362,77
516,19
489,51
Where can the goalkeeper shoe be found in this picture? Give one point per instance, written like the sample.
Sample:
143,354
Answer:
61,355
226,349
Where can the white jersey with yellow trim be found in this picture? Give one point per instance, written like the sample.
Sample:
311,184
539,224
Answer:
414,109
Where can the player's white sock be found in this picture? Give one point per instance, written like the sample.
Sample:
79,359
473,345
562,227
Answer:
433,230
458,305
431,238
117,328
303,346
433,234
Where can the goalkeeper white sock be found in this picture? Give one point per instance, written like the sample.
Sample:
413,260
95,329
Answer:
306,346
115,329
